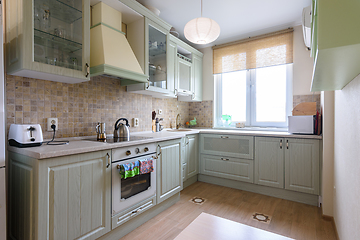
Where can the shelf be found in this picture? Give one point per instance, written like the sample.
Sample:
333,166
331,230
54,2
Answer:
66,45
156,51
153,70
62,11
183,57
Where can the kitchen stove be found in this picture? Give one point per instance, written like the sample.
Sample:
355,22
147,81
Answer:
117,140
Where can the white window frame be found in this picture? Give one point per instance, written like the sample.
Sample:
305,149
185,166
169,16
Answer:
251,100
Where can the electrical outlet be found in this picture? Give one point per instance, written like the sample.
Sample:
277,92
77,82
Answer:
136,122
160,111
51,121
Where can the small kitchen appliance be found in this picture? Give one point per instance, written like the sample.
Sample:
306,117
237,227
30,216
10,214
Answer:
121,130
301,124
100,130
25,135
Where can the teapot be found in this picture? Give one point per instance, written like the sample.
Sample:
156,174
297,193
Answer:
121,130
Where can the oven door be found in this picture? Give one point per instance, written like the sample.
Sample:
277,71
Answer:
130,191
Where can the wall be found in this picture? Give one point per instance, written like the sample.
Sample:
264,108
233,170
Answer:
80,106
302,70
347,161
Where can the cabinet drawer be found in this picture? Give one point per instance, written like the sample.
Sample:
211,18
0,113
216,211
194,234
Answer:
227,145
132,212
227,167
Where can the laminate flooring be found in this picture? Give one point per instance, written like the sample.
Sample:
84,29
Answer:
287,218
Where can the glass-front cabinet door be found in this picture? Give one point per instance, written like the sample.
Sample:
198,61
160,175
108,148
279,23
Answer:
157,58
52,43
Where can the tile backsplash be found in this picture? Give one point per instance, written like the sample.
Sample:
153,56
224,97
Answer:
203,112
80,106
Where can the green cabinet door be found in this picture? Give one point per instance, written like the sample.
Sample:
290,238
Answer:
269,161
302,165
192,161
169,168
198,78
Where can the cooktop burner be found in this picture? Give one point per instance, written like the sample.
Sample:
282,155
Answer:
116,140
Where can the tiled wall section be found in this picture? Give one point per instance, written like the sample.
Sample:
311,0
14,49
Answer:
80,106
203,111
307,98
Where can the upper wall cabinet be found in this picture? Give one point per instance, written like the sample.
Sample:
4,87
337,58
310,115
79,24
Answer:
335,43
48,39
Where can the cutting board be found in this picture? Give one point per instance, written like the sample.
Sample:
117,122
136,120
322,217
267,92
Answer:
305,108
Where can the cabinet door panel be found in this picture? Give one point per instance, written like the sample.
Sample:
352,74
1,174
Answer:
198,78
269,161
302,165
230,168
169,169
227,145
192,156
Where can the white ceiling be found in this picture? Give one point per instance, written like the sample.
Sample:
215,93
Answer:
238,19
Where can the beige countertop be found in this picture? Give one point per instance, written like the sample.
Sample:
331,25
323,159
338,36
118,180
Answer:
82,145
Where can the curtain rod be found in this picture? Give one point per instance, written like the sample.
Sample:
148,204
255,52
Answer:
253,38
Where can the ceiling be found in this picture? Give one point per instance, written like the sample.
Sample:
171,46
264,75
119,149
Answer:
238,19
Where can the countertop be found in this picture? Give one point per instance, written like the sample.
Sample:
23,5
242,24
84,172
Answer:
79,145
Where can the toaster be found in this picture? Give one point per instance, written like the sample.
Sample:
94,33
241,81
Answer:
25,135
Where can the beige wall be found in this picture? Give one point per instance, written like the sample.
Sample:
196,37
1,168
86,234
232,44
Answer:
303,68
347,161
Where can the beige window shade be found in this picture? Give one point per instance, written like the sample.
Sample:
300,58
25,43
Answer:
262,51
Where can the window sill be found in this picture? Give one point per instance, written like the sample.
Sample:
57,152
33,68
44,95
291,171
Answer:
273,129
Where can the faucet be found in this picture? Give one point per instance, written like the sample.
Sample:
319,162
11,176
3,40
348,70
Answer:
178,124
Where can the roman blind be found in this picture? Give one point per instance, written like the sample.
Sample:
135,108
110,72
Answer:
255,52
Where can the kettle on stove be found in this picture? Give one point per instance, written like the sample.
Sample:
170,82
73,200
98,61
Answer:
122,130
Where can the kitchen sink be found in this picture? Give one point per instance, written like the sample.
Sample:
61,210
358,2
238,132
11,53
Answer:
178,130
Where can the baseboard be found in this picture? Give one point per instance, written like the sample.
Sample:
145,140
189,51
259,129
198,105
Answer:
132,224
332,220
190,181
269,191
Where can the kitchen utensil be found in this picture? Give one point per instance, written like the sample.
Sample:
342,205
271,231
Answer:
122,130
25,135
305,108
100,130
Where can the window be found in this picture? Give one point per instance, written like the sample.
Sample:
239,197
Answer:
254,81
259,97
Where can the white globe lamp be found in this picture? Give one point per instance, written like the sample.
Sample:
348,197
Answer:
202,30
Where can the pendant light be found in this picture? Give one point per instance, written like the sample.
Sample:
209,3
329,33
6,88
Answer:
202,30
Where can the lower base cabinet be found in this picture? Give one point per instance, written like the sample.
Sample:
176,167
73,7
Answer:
227,167
60,198
290,163
169,169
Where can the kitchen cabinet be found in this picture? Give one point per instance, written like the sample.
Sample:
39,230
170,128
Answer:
169,169
302,165
48,40
269,161
198,77
227,145
290,163
155,54
335,43
191,155
227,167
184,83
60,198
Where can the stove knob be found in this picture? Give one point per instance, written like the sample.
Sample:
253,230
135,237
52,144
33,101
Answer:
128,153
146,149
137,150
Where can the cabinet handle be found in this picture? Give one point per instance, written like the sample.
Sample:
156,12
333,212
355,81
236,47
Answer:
225,159
158,154
287,144
193,96
224,137
87,69
280,143
109,160
188,141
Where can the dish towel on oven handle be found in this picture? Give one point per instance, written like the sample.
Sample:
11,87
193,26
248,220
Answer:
129,169
146,165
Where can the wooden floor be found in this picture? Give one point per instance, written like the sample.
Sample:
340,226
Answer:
287,218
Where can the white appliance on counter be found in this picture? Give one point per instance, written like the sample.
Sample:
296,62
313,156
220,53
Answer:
2,138
301,124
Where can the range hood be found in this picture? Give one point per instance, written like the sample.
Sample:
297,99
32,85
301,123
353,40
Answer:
110,52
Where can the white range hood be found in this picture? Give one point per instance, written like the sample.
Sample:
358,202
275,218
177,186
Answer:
110,52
